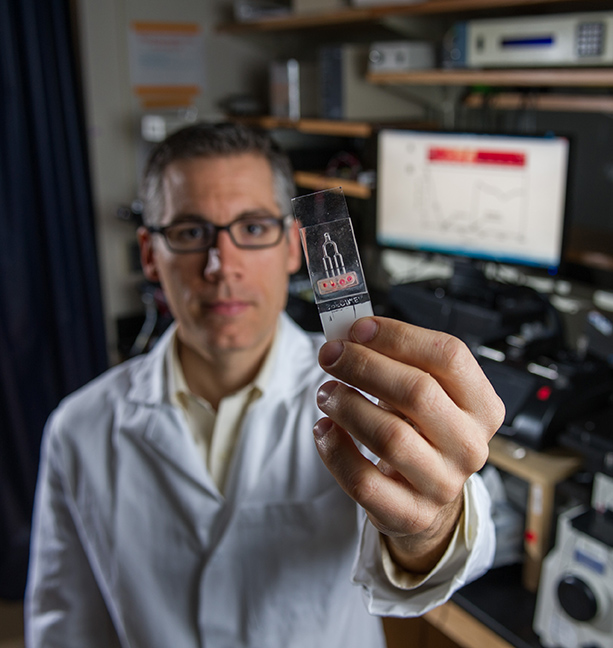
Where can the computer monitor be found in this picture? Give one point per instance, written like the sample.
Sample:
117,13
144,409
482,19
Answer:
485,197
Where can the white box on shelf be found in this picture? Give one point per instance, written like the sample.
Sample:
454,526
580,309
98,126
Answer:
399,56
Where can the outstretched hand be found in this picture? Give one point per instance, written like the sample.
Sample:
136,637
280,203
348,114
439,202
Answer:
431,428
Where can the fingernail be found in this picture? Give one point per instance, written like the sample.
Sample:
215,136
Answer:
364,330
324,392
330,352
322,427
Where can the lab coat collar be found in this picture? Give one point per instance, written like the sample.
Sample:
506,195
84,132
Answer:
296,349
148,385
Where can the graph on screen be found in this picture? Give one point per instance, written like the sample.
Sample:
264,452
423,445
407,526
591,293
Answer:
483,196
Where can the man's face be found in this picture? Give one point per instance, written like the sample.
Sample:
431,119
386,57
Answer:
231,305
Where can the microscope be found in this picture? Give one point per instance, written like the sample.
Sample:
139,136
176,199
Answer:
574,607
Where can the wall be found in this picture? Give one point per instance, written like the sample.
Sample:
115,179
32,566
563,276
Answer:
232,65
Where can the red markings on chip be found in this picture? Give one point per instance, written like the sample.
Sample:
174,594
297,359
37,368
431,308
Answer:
334,284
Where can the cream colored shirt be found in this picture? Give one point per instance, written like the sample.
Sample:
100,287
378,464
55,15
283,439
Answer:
215,433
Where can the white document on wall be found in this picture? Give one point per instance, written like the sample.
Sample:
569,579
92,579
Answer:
166,62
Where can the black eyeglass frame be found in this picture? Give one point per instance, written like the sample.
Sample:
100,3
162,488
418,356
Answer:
284,221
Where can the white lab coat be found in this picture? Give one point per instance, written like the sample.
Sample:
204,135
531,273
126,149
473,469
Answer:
133,545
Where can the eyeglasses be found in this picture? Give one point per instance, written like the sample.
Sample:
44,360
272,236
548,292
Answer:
247,232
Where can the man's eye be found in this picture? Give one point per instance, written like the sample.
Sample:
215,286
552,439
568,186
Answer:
190,232
255,228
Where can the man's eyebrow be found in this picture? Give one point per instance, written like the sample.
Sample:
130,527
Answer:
180,218
248,213
256,212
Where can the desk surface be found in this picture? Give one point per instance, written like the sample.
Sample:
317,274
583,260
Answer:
500,602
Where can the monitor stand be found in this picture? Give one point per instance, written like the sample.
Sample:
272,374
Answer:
467,305
468,282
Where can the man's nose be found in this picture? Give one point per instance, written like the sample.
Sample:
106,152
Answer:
222,258
213,264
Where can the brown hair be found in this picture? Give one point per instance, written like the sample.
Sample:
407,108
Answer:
213,140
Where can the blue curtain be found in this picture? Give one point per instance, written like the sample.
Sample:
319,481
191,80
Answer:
51,321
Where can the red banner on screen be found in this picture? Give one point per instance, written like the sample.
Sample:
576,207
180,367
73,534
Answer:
475,156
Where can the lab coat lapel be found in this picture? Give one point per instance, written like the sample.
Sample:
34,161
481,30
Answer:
163,426
148,383
167,433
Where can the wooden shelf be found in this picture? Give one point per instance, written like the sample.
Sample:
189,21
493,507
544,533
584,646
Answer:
541,77
463,628
332,127
553,102
317,182
335,127
352,16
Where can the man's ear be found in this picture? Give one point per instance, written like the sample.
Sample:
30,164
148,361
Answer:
294,258
147,254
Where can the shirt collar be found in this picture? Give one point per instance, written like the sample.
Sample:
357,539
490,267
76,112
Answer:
178,390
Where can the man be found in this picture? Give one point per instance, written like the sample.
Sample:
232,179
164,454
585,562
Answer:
182,501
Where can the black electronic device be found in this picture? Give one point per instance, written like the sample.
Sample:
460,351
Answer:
592,437
477,312
598,333
542,395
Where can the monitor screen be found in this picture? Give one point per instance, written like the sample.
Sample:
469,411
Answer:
490,197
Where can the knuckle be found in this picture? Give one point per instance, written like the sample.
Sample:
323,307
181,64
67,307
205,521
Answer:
494,414
423,394
475,452
362,488
395,440
499,413
446,491
455,355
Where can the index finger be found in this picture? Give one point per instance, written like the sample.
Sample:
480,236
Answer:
444,357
